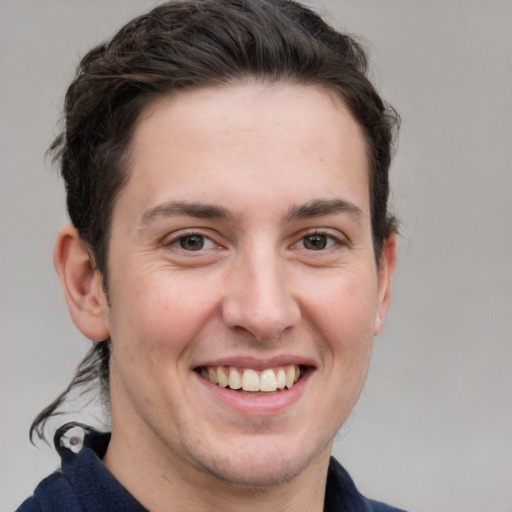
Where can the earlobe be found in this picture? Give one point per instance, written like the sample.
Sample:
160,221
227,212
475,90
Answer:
386,268
82,285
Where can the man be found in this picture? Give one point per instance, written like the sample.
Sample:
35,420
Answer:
230,256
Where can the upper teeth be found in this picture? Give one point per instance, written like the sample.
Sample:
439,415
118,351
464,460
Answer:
248,379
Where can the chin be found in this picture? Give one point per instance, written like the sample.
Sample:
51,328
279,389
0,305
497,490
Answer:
258,475
260,468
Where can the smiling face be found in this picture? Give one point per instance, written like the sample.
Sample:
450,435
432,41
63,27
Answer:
243,286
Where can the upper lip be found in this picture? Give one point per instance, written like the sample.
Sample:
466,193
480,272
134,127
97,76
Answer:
257,363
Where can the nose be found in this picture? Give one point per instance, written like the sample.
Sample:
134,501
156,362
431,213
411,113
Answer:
259,298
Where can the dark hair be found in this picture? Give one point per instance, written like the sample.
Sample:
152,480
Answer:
197,43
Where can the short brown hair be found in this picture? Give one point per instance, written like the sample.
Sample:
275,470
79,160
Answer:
197,43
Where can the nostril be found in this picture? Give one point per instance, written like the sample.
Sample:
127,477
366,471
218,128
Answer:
260,304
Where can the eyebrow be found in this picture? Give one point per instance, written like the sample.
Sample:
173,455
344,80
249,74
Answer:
183,208
323,207
311,209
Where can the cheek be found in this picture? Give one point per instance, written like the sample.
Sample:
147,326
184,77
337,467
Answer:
344,311
159,315
153,324
353,295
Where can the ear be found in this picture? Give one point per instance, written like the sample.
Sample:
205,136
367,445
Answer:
82,285
386,268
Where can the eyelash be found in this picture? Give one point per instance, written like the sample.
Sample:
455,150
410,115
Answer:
177,241
329,240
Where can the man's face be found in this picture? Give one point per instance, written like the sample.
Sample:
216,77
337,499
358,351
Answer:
242,244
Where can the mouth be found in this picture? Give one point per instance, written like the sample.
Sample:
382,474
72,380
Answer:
251,381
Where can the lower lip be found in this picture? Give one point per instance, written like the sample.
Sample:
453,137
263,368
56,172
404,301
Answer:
257,404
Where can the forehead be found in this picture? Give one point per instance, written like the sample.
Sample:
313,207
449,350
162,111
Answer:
251,140
249,108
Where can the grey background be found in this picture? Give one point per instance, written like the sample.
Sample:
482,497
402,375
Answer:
433,429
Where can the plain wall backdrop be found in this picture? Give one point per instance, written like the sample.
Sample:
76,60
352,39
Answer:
433,428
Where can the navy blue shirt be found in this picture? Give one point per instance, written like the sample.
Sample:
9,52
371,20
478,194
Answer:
84,484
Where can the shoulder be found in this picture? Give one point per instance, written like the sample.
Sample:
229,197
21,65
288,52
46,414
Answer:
377,506
83,482
29,505
342,494
58,491
54,493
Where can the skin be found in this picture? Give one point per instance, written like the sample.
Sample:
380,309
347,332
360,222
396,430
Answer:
280,167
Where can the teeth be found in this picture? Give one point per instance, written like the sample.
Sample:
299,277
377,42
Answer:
222,378
248,379
268,381
235,381
281,379
212,376
290,377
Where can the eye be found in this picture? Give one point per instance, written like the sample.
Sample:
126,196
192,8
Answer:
194,242
318,241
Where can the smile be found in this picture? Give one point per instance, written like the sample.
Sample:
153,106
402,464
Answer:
250,380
